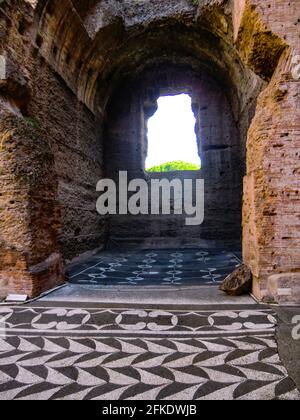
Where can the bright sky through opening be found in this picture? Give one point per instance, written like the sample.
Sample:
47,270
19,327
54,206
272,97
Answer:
171,132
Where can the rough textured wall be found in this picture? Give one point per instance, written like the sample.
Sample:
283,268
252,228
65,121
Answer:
271,188
51,159
29,258
30,261
75,137
217,132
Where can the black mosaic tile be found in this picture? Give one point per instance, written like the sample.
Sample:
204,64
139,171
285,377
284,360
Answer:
156,267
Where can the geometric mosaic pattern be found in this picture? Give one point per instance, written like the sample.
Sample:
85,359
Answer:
160,267
123,353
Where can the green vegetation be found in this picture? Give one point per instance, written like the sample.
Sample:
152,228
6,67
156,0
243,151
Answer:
175,166
32,122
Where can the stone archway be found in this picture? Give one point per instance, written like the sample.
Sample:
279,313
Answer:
218,144
70,59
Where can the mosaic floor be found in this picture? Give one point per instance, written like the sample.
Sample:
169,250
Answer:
135,352
162,267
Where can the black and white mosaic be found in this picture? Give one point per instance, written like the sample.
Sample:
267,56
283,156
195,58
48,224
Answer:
136,352
160,267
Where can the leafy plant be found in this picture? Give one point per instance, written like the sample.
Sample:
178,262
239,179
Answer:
175,166
32,122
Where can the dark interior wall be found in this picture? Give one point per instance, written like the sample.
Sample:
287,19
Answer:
64,134
93,52
218,142
75,137
222,166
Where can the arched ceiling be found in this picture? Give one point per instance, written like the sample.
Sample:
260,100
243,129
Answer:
94,44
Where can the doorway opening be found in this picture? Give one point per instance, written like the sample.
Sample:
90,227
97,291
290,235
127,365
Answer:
172,141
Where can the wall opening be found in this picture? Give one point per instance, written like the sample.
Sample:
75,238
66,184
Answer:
172,141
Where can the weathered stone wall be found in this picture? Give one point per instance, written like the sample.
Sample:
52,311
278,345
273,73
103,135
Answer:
271,188
29,208
75,137
217,132
30,261
51,159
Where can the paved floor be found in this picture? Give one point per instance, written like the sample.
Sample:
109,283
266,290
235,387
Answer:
94,351
187,267
189,276
151,326
288,339
158,295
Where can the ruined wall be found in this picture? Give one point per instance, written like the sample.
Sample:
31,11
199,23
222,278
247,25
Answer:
75,137
51,159
217,132
62,62
271,188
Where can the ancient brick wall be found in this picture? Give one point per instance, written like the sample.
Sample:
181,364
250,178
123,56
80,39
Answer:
75,137
51,160
271,191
